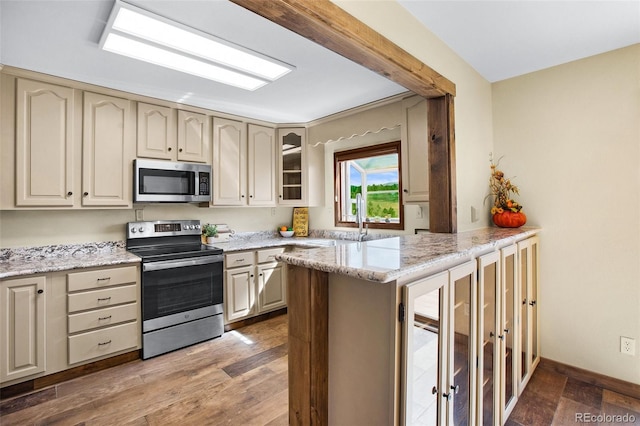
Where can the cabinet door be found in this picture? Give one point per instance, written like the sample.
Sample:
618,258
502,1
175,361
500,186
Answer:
415,151
193,137
529,354
229,162
22,325
107,151
262,165
240,293
292,166
425,353
488,382
272,286
461,382
508,351
156,132
44,144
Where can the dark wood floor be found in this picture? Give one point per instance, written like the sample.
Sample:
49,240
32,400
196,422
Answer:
241,379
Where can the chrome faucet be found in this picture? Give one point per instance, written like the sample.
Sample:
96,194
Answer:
360,217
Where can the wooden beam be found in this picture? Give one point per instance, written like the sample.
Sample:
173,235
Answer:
308,305
442,163
330,26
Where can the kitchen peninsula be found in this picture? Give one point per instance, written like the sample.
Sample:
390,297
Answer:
344,305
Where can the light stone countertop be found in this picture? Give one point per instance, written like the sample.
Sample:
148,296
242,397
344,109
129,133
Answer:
382,258
389,259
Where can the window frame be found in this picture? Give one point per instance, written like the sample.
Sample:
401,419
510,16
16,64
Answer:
365,152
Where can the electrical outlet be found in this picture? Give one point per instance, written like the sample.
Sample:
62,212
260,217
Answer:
466,309
627,345
273,211
419,213
139,215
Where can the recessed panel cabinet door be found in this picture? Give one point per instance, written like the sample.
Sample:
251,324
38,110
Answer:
193,137
44,144
415,151
156,132
262,165
229,162
108,149
240,292
272,286
22,326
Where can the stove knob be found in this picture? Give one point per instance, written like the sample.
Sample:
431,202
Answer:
197,226
187,227
134,230
141,229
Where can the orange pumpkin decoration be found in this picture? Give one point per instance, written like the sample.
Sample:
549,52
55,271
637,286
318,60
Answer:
509,219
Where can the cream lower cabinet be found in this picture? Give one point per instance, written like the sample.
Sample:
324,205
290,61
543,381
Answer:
439,360
22,323
103,312
52,322
471,339
255,283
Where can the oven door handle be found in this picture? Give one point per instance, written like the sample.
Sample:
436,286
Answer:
181,263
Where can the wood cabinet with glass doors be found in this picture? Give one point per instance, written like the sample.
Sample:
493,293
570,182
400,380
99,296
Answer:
292,166
440,349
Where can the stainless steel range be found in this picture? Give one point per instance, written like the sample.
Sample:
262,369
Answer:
181,285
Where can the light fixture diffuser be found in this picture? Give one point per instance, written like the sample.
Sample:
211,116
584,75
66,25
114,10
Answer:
139,34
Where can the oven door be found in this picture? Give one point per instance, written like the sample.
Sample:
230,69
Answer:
178,291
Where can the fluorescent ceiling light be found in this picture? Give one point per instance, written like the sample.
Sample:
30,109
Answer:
136,33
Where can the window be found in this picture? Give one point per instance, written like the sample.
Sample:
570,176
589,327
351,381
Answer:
375,173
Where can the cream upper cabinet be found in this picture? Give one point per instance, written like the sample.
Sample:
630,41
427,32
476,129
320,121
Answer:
156,132
229,162
108,149
292,171
22,327
193,137
415,151
44,145
262,165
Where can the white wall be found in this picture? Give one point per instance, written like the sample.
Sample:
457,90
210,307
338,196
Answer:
37,228
571,134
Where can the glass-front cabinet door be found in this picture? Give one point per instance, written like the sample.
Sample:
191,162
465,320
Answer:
508,359
439,348
292,174
529,342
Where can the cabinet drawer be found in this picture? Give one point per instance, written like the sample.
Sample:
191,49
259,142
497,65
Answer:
97,343
102,298
233,260
102,317
101,278
269,255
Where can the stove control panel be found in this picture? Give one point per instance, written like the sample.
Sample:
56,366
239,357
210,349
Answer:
162,228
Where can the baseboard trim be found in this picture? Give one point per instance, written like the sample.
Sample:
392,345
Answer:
55,378
253,320
596,379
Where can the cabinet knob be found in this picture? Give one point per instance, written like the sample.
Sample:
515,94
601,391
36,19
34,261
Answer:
40,291
447,396
250,196
180,150
455,389
169,149
242,195
532,303
85,194
406,191
69,194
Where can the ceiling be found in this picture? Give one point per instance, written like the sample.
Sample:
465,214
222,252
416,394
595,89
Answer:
499,39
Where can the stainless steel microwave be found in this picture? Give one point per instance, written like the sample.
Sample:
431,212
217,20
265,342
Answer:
170,182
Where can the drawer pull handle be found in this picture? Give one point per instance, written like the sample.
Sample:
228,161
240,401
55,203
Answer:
239,260
104,279
104,299
104,318
104,343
